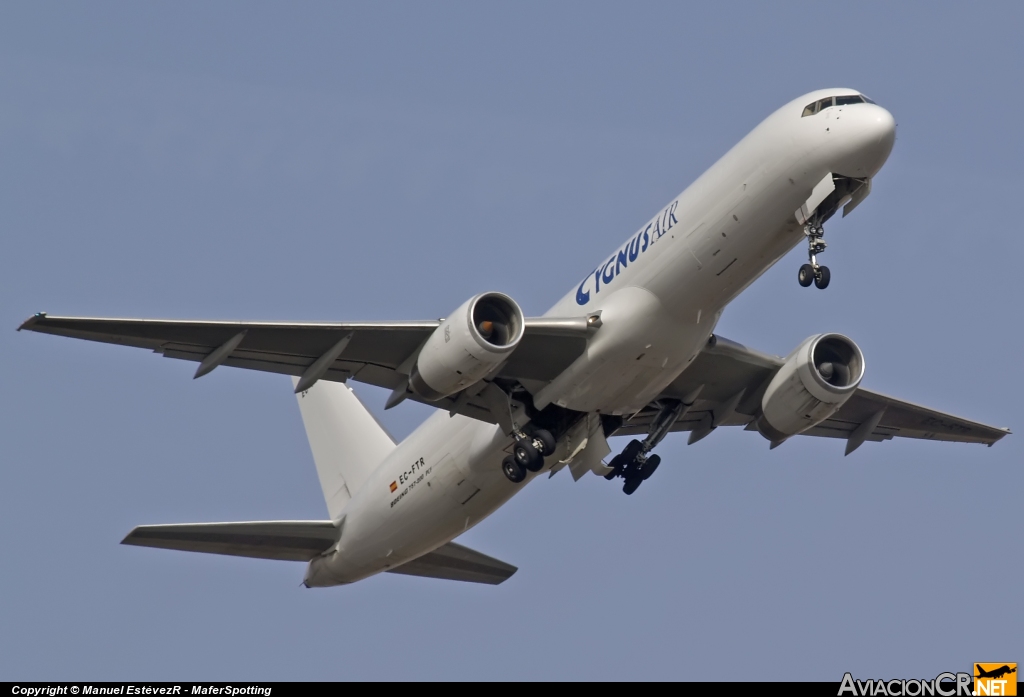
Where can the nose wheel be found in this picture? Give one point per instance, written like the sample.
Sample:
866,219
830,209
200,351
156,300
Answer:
813,272
809,275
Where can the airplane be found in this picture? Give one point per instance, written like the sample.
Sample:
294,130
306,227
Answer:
996,673
629,350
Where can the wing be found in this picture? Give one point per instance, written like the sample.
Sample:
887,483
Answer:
734,380
376,353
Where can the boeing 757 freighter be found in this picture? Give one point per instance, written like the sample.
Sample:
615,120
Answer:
629,350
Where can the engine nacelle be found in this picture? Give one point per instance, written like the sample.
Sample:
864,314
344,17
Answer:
814,382
470,343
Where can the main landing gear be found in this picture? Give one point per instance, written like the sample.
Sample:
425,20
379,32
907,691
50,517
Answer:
813,272
635,464
528,454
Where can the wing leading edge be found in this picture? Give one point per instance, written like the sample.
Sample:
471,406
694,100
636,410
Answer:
376,353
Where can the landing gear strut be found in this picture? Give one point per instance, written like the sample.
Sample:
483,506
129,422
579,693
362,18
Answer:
813,272
530,448
528,454
635,464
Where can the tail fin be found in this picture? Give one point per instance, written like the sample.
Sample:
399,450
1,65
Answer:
347,442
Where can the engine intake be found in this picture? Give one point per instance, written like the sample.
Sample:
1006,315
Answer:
478,336
814,382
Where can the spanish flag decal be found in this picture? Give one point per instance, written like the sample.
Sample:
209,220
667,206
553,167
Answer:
394,487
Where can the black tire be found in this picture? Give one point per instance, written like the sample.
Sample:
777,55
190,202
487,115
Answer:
805,276
647,469
547,441
824,276
630,452
631,485
515,472
527,455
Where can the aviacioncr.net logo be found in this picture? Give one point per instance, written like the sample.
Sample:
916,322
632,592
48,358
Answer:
944,685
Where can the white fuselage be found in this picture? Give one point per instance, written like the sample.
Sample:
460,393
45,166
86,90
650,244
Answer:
659,296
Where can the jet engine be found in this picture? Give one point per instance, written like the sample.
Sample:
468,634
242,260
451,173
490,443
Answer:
814,382
469,344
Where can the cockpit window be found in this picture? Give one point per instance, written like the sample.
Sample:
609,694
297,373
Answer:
825,103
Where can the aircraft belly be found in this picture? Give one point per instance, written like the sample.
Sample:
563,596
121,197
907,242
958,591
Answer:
458,484
640,347
678,295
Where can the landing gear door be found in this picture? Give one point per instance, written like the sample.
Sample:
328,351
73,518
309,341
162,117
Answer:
821,191
589,432
859,194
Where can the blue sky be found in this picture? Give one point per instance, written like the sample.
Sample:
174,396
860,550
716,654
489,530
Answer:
336,161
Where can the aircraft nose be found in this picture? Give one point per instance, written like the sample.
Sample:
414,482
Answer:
882,126
877,135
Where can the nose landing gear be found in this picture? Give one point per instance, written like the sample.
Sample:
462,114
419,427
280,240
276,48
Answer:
813,272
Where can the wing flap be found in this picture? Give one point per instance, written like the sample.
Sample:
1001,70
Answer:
287,540
454,562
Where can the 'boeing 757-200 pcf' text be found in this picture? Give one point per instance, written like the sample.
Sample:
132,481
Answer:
629,350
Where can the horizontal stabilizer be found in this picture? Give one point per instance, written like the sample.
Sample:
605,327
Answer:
457,563
289,540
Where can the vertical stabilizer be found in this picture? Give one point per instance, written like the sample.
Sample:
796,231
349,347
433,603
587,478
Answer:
347,442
